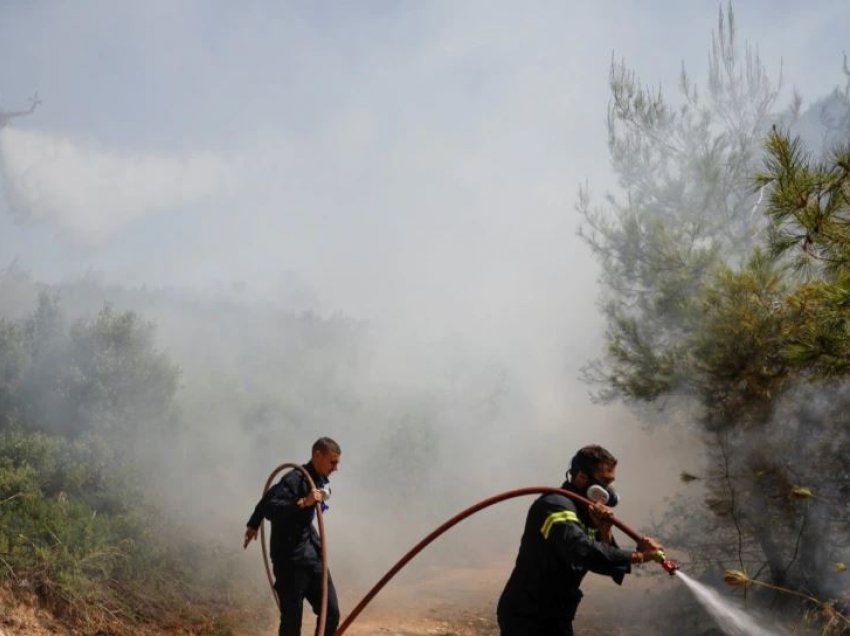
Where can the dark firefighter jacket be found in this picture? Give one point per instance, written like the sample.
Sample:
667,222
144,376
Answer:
558,548
294,540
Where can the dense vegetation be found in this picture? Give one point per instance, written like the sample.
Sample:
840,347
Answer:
727,296
76,528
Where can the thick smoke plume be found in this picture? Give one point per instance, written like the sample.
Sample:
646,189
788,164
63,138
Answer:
88,192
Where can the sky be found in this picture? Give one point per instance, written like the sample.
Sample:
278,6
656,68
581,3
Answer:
414,165
392,160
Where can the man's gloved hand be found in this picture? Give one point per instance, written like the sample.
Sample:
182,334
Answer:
600,515
647,549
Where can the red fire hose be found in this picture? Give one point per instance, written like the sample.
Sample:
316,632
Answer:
532,490
668,565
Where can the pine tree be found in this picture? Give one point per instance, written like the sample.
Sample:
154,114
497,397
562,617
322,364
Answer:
726,293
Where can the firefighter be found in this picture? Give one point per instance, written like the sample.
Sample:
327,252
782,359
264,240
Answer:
295,546
561,542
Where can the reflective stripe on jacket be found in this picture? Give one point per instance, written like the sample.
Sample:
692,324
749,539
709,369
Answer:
558,548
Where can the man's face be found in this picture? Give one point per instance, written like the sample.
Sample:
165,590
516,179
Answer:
605,474
325,462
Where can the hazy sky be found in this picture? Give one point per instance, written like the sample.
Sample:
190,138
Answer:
386,156
412,164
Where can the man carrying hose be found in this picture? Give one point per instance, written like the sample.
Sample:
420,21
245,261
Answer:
562,541
295,547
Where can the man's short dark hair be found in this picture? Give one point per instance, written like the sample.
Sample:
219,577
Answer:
588,458
326,445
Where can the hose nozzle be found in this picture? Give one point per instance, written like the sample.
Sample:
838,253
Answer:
670,566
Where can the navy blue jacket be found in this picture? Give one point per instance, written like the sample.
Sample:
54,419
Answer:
294,540
558,548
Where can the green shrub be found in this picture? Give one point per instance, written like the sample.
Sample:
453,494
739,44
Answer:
92,549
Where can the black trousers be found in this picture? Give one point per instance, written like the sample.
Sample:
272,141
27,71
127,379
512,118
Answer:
293,585
520,624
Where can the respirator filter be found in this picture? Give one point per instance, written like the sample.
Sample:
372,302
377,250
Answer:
605,496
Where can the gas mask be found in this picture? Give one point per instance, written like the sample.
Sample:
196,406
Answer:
605,495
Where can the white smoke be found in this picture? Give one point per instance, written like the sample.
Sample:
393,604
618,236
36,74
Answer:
90,192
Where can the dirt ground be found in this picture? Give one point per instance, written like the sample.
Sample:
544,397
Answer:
445,602
22,616
441,601
462,602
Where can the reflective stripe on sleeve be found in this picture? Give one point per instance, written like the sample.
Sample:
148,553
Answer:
565,516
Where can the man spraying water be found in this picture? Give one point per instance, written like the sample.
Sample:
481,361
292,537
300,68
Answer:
562,541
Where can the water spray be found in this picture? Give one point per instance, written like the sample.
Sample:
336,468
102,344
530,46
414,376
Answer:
739,578
730,619
734,620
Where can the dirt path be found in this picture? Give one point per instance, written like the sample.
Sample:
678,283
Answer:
462,602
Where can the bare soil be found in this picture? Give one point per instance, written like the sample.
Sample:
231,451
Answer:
21,615
442,601
462,602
